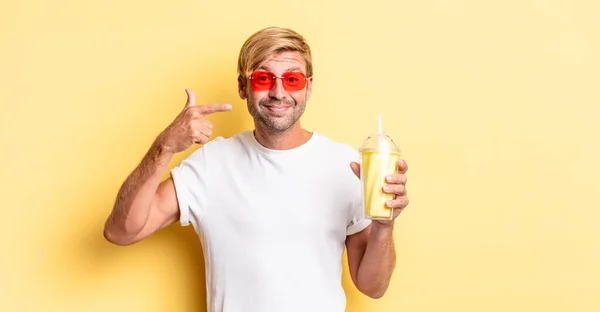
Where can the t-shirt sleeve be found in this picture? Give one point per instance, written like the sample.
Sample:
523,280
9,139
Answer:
358,221
189,178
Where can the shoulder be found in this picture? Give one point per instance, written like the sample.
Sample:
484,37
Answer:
222,144
334,157
335,148
219,147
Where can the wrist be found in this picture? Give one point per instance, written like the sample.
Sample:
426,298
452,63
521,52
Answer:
385,228
161,151
162,147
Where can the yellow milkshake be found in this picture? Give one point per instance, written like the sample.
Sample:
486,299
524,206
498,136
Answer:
379,156
375,166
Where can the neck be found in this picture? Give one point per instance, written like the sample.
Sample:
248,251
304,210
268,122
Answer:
292,138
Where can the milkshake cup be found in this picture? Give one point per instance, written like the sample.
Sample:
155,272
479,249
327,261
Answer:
379,156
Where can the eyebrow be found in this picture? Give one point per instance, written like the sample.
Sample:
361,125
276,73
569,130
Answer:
293,69
289,69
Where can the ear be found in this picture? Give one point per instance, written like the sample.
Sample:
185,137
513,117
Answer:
242,88
308,88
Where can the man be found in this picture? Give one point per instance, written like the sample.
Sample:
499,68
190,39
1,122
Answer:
273,207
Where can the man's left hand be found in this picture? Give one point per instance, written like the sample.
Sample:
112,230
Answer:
395,184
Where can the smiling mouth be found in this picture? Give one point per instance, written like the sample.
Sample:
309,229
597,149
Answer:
278,109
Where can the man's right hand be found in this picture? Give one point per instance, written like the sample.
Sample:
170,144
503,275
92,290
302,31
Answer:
191,126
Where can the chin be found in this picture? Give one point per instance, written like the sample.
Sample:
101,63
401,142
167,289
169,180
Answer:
275,125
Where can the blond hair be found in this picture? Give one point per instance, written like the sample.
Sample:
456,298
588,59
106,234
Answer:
268,42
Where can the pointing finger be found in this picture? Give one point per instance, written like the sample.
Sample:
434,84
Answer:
214,108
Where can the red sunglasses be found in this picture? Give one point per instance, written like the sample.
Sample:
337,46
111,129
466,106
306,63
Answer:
264,81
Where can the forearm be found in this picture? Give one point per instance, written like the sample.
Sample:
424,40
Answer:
134,199
378,262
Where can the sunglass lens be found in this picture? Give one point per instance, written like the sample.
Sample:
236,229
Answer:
262,81
294,81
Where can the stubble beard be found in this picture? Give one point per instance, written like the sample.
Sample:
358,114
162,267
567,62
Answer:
276,125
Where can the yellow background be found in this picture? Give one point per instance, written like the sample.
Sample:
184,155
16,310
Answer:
495,104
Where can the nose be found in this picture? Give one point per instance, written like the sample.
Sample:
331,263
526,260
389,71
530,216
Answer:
277,91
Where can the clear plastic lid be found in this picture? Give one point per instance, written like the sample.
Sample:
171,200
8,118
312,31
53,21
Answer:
379,141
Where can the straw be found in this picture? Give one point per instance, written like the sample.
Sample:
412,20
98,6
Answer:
380,140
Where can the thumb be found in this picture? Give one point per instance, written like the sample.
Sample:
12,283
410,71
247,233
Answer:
191,98
355,168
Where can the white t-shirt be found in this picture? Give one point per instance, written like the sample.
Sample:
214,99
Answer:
272,223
